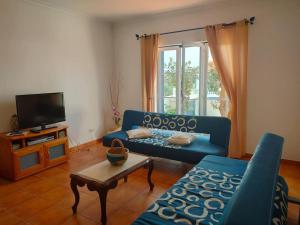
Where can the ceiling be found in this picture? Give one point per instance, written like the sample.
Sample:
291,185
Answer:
119,9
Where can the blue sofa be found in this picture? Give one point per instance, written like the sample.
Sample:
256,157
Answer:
216,143
227,191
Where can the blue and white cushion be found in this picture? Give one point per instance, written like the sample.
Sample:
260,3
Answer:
197,198
280,206
169,122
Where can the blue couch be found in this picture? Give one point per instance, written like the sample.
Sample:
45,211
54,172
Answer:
216,143
227,191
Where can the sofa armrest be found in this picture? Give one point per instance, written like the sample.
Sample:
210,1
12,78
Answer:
253,201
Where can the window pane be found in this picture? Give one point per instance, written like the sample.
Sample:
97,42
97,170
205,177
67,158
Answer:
213,89
170,105
169,80
193,83
190,81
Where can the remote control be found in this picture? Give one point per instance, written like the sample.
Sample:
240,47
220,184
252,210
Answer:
35,131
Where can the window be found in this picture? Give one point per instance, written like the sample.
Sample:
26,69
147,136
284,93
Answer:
188,81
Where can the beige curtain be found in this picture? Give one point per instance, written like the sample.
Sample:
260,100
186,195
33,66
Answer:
229,49
149,49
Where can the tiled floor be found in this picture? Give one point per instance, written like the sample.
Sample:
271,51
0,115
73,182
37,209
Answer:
46,198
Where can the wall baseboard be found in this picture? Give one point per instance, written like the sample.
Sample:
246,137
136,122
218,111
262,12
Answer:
247,156
85,145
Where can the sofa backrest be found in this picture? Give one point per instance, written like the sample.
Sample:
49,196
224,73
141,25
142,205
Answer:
217,127
252,203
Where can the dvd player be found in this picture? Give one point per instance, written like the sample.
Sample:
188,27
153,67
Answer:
39,140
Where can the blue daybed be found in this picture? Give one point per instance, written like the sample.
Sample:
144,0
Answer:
215,143
221,190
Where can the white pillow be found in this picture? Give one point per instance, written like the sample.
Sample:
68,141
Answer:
139,133
181,138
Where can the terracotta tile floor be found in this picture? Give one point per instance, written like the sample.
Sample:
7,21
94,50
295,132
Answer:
46,198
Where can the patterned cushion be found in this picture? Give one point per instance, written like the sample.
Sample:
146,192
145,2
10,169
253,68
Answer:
139,133
159,138
169,122
197,198
280,203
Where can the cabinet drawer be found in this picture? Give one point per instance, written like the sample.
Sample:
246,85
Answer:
56,151
29,160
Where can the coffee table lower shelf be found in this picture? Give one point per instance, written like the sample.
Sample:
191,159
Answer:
82,179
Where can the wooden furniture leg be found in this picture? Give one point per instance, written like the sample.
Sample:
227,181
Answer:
102,192
74,183
102,196
150,169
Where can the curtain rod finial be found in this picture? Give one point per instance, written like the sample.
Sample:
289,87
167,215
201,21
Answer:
137,36
252,19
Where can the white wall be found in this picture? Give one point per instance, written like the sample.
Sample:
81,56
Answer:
48,50
274,67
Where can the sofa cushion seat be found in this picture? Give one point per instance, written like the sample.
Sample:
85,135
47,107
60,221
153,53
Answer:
227,165
200,196
158,147
107,139
227,191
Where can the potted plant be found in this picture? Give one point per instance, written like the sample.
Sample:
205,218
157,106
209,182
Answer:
114,89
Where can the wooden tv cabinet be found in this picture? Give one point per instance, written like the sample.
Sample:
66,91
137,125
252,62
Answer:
19,159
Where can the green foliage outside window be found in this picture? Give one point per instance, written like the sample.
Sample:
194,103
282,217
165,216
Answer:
213,80
190,78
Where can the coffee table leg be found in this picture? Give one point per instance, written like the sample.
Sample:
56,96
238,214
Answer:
150,169
76,194
102,192
102,196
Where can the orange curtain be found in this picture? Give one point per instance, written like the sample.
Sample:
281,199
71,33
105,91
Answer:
149,51
229,49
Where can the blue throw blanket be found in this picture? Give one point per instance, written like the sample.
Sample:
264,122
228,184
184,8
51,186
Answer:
280,208
197,198
160,137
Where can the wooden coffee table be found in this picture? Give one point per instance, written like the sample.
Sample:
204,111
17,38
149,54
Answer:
103,176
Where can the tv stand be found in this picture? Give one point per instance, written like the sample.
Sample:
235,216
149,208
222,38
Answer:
30,153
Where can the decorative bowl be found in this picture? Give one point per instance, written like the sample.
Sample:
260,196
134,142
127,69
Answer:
117,155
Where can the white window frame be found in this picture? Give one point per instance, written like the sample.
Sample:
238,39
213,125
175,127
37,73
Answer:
160,80
180,57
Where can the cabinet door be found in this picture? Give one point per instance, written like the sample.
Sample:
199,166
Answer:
56,151
29,160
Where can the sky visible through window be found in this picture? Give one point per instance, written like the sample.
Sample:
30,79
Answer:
192,52
169,54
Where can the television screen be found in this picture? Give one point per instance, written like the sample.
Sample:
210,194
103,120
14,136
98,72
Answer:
40,109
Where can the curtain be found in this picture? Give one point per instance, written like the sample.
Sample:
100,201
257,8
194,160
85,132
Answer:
229,49
149,51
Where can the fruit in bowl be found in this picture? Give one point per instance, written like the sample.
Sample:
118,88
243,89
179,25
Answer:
117,155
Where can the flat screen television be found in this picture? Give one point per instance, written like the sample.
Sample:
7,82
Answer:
39,110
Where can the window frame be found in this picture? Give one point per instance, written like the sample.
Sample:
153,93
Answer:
160,80
180,62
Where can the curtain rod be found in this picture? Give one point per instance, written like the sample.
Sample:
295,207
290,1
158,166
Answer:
179,45
251,21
